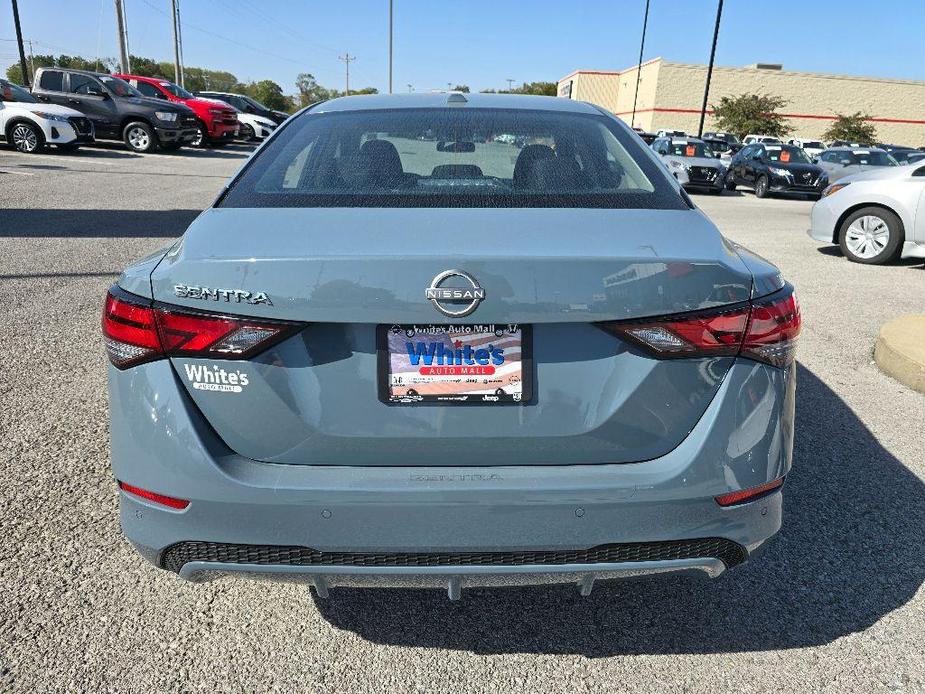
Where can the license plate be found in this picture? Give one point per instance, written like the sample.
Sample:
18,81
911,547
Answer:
455,364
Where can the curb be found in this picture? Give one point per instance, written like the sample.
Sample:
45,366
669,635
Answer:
900,350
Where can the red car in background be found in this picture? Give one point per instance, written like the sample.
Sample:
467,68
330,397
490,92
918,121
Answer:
218,122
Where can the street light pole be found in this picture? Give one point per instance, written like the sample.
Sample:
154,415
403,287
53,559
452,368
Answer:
509,83
642,45
706,90
22,50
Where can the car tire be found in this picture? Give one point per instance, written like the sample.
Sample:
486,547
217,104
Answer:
26,138
730,183
202,136
872,236
247,133
761,187
139,137
68,147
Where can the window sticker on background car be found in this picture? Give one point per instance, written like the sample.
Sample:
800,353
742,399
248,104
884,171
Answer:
785,156
691,151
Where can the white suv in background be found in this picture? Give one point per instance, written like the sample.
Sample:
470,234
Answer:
812,147
29,126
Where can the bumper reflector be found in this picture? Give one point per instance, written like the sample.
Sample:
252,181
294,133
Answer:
743,496
153,496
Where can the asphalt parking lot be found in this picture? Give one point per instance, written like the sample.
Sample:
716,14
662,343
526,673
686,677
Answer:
836,603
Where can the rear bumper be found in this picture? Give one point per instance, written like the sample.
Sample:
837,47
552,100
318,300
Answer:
161,443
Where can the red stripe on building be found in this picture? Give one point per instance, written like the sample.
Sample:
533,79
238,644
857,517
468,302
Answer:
908,121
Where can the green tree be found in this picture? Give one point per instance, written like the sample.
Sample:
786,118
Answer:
310,92
853,128
534,88
751,113
464,88
268,93
14,74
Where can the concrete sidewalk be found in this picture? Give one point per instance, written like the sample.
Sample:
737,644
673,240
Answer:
900,350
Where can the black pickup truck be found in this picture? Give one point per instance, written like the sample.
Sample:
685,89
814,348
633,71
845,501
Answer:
118,110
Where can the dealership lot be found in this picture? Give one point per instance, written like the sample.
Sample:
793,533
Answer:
835,604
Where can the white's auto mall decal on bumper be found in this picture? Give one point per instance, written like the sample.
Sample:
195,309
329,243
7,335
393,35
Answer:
215,378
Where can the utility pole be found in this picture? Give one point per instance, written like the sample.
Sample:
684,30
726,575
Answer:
124,64
509,83
31,59
22,51
642,45
390,46
706,90
347,58
449,86
177,70
180,41
410,88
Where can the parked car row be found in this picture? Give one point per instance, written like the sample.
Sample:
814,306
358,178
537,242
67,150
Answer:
67,108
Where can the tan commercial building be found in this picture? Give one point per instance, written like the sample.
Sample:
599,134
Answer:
671,95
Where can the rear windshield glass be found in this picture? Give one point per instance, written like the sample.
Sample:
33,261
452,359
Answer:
867,158
450,157
787,154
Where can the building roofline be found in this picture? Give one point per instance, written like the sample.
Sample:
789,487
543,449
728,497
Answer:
613,73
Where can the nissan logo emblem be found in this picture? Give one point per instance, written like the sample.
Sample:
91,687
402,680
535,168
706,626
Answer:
455,301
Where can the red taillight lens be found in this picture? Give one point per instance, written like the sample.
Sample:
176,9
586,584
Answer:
773,330
170,501
743,496
137,331
130,332
765,330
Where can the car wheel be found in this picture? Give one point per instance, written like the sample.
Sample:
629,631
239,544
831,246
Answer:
139,137
871,235
27,138
247,133
202,137
730,183
761,187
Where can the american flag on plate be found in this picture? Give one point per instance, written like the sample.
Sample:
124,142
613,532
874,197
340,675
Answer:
455,363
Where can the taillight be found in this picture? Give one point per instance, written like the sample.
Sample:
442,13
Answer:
773,329
765,330
137,330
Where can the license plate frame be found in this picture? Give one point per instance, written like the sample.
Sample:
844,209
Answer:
431,331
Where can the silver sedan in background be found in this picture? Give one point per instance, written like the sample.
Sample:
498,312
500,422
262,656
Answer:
876,216
839,162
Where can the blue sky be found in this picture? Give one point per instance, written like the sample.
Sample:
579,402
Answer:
482,43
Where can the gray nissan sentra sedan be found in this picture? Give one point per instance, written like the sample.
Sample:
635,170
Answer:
451,340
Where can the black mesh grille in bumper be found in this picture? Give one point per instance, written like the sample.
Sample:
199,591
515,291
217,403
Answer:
176,555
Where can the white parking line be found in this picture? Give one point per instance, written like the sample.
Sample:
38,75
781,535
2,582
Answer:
17,173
